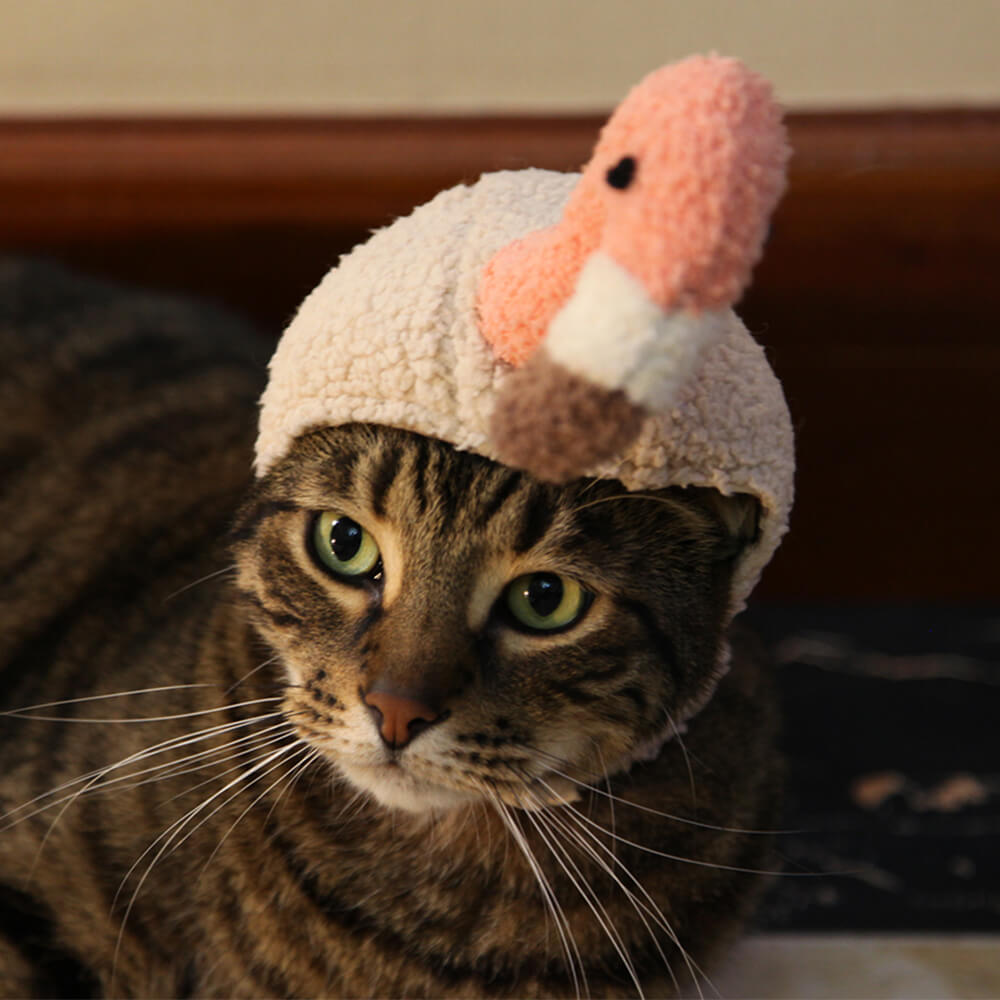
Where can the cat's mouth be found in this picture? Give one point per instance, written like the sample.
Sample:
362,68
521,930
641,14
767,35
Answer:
397,785
394,785
439,774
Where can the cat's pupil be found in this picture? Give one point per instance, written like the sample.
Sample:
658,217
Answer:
545,593
345,538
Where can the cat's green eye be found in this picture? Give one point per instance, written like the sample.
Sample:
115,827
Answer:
345,547
545,602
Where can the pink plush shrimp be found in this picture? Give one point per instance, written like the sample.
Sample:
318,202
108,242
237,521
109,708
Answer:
609,312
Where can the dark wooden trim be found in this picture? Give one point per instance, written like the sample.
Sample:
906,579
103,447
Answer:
342,171
57,173
878,180
878,299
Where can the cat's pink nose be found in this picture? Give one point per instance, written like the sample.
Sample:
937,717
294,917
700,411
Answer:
399,718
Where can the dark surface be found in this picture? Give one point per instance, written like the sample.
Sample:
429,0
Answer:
892,735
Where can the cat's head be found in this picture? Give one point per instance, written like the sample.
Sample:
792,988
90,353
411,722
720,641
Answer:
453,630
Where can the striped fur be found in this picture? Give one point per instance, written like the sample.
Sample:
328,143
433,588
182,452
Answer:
254,840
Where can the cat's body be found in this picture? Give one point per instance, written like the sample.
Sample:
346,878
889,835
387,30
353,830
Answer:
290,851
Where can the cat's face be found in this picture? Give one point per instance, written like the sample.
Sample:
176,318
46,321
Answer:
452,630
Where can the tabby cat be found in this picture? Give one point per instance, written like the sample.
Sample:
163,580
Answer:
393,720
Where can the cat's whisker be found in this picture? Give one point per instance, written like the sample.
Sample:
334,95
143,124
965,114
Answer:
469,819
18,714
571,951
104,697
587,840
232,743
312,757
641,909
577,967
256,740
626,496
310,753
169,835
353,805
283,734
165,746
224,729
296,747
219,752
588,488
677,731
260,666
568,819
200,580
238,767
607,785
305,755
540,821
556,763
718,866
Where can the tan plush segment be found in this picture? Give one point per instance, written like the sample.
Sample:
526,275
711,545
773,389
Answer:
554,423
390,336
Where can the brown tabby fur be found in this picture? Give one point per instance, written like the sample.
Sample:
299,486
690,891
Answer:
128,424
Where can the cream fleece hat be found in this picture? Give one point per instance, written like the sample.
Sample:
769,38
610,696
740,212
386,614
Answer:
573,324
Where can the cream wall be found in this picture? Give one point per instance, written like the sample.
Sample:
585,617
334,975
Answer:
252,56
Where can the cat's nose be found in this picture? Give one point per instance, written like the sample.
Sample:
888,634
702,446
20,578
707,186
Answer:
400,718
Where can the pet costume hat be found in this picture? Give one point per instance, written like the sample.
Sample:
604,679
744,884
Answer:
573,324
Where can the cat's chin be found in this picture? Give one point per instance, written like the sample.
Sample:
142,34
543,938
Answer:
391,786
394,788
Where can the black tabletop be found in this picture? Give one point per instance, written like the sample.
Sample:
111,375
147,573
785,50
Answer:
892,735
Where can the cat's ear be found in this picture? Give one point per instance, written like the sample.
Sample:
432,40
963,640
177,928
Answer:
739,515
736,516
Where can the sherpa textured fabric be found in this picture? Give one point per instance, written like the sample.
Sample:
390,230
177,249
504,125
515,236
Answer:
390,336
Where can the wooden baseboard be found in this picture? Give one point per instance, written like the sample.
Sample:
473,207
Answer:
878,298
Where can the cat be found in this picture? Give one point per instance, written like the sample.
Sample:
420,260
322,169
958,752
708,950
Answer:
393,720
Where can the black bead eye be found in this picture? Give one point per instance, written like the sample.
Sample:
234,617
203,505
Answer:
622,173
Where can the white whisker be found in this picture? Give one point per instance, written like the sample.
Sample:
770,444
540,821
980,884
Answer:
156,749
718,866
19,714
169,835
567,940
684,753
254,739
607,794
179,824
104,697
587,894
628,496
311,757
260,666
588,841
641,908
607,785
195,583
304,752
283,734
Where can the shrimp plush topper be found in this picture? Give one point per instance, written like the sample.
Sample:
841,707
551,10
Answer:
626,292
573,324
